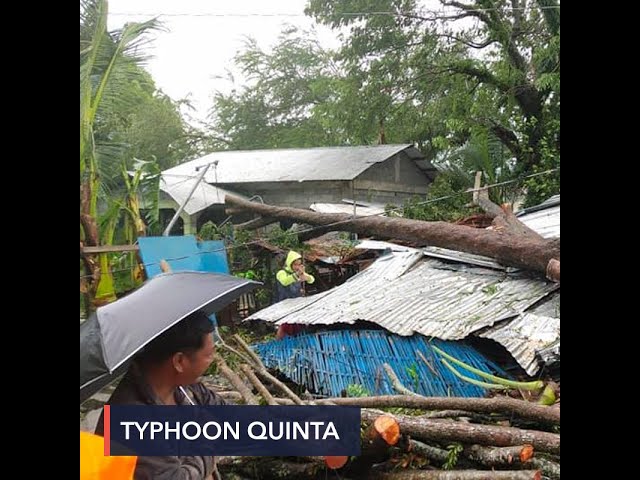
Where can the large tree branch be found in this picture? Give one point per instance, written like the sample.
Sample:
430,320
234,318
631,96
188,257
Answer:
505,34
507,137
482,74
469,10
506,247
468,43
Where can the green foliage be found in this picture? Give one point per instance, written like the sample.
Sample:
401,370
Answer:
491,289
443,202
285,86
286,239
412,371
211,231
357,390
414,78
453,453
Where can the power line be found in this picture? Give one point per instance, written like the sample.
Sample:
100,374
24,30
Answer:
417,13
424,202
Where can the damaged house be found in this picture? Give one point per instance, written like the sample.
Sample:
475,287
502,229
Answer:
370,176
411,299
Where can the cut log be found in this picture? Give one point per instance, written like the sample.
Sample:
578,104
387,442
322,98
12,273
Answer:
384,430
457,475
508,248
498,456
486,456
553,270
379,437
547,467
511,406
444,431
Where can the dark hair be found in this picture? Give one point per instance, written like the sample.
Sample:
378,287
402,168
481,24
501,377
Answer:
186,336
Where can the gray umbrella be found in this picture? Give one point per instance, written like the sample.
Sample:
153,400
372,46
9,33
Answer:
115,332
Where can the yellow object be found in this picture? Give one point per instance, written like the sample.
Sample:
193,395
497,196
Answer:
95,466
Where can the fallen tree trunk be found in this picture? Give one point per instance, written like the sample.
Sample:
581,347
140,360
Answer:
486,456
506,405
458,475
443,431
255,223
522,251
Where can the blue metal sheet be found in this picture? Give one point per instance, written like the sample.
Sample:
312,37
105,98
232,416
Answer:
181,253
213,256
328,362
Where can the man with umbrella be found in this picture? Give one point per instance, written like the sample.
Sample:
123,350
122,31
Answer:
175,359
160,337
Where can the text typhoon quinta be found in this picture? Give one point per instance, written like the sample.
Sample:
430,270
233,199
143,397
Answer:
228,430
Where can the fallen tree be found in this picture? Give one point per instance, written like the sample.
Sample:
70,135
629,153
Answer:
508,243
510,406
489,435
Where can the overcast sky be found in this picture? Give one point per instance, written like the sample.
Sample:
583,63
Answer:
202,36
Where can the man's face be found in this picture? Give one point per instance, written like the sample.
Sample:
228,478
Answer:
198,362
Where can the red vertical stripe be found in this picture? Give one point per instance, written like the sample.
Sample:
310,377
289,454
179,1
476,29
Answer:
107,431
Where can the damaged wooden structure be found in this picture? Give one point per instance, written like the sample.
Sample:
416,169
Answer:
494,438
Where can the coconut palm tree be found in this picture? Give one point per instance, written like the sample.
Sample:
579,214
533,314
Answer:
485,153
108,62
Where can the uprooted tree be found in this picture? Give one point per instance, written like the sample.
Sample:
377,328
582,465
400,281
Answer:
510,242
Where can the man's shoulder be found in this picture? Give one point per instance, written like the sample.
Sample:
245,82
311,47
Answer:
204,395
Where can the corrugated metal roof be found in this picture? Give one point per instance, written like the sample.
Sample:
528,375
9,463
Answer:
546,222
471,258
294,164
543,218
204,196
446,301
525,336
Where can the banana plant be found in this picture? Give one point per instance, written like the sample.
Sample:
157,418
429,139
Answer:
499,382
143,182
